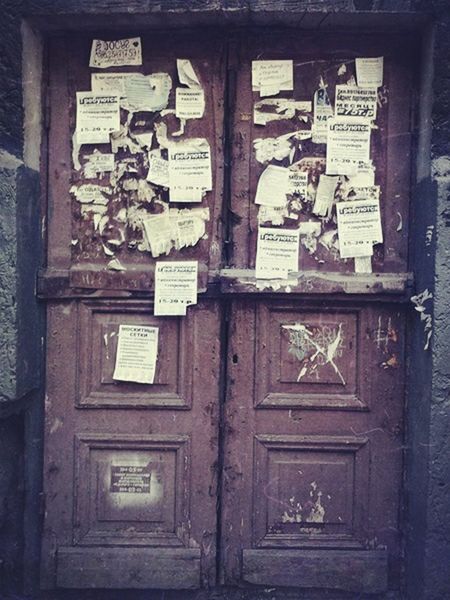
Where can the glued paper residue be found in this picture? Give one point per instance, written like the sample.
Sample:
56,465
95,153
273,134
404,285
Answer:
137,352
116,53
277,252
158,171
322,112
278,109
98,163
175,287
175,229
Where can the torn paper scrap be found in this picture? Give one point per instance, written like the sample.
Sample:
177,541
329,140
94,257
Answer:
272,214
298,183
97,116
116,53
272,76
147,92
115,265
159,233
273,185
369,72
279,148
276,253
91,192
143,138
353,102
188,226
371,192
175,287
98,163
137,353
322,112
326,189
426,317
189,103
109,83
278,109
186,73
359,227
158,172
348,144
363,264
189,170
364,175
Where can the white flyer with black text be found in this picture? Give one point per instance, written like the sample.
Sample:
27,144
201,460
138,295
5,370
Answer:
137,353
175,287
277,252
97,116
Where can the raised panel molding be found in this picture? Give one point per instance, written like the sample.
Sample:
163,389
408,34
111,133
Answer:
304,491
155,498
309,359
96,348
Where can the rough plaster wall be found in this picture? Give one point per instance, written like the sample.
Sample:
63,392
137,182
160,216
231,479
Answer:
436,574
8,260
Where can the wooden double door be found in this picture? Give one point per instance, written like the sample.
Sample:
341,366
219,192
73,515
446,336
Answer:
268,450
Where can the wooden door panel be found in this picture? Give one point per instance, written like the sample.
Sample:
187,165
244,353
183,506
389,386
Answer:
78,244
330,61
127,473
99,325
308,467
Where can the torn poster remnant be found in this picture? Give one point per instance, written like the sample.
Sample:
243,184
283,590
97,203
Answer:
174,229
189,101
419,304
322,112
278,109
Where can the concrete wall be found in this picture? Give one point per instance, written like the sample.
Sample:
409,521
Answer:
428,444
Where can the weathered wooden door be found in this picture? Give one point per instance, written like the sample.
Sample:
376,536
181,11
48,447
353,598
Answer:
155,525
303,378
314,409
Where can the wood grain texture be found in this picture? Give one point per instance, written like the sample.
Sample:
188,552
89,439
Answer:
124,568
349,570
